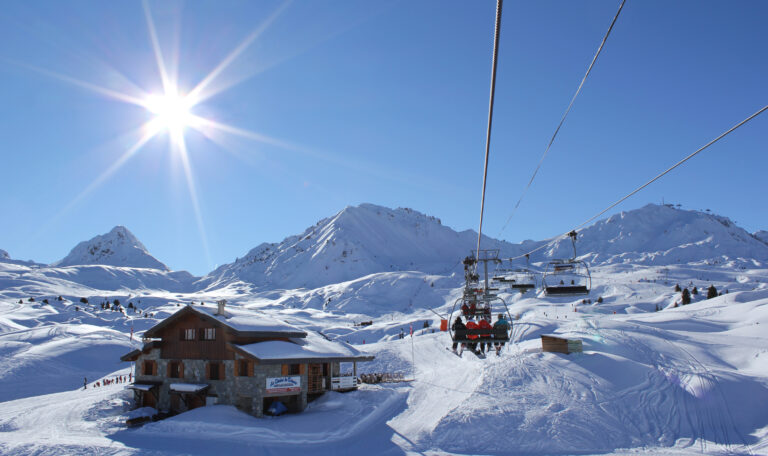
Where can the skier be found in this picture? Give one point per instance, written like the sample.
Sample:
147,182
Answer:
458,325
465,309
485,338
501,325
472,325
85,383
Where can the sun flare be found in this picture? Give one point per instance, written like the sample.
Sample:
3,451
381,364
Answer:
171,110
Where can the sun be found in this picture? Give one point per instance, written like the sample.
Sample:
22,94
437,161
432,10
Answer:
172,111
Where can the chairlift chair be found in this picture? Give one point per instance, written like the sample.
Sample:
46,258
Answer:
567,277
480,298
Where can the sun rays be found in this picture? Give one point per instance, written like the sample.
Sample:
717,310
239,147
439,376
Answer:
171,112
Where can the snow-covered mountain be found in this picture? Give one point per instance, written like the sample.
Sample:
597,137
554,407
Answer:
119,247
761,235
369,239
658,234
358,241
4,255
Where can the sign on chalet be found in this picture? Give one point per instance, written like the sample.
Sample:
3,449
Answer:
202,356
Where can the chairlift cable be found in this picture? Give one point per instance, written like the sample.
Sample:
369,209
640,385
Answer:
562,120
633,192
497,32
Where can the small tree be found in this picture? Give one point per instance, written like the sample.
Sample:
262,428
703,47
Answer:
711,292
695,291
45,301
599,299
31,299
116,302
686,299
21,302
60,298
84,300
677,288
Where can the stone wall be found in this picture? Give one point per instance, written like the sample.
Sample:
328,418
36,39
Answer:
247,393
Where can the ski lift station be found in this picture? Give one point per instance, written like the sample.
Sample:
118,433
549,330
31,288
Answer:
203,356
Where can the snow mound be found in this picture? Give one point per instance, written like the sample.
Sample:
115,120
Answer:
119,247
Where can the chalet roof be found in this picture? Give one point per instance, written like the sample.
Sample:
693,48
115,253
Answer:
313,348
244,323
133,355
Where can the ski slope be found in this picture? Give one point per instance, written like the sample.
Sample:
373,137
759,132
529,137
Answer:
655,377
682,380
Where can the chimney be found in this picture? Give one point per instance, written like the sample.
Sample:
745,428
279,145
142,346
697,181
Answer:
221,304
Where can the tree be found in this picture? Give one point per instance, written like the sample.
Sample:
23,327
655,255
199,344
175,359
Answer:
695,291
45,301
686,299
31,299
599,299
677,288
116,302
60,298
711,292
84,300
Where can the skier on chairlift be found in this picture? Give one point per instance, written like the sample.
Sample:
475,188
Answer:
458,325
501,325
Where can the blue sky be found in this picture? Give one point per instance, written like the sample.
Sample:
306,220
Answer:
380,102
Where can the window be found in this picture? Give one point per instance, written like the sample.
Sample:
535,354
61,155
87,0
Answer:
215,371
243,368
149,368
209,334
188,334
174,370
291,369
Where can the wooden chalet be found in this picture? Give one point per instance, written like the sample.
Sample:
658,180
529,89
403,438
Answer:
203,356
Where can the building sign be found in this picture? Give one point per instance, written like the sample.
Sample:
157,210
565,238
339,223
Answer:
283,384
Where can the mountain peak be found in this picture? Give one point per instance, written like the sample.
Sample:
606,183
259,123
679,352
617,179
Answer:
119,247
4,255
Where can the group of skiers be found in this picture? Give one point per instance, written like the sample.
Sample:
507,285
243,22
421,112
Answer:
482,342
109,381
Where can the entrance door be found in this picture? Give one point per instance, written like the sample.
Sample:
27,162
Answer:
148,399
315,378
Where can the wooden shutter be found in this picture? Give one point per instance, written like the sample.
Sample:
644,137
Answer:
154,367
286,369
168,368
250,368
302,368
181,369
221,371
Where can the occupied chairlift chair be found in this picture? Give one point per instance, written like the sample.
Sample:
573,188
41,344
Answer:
486,302
567,277
522,279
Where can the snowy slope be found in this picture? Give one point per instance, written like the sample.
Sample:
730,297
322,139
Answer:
761,235
658,235
686,380
4,255
119,247
356,242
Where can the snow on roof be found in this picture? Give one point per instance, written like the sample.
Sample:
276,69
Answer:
140,386
248,321
188,387
313,346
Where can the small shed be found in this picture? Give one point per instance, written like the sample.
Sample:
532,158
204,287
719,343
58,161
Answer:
550,343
